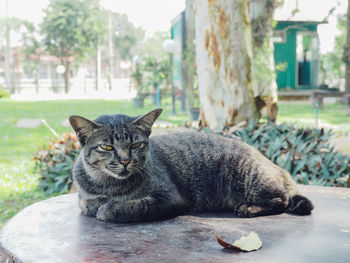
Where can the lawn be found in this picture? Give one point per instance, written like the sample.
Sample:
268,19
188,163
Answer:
333,115
18,181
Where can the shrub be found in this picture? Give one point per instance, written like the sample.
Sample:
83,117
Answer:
305,153
3,93
54,162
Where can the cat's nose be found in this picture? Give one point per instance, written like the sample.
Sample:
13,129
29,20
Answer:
125,161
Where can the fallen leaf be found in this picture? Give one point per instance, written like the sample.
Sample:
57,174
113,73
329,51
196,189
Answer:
247,243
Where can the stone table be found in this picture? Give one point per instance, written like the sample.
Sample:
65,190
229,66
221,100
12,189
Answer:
54,230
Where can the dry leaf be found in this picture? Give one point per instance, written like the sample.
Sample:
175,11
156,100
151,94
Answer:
247,243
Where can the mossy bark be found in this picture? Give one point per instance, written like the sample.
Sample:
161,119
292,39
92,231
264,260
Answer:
224,62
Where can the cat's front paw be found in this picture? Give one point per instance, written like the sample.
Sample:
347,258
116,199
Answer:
105,213
110,212
90,207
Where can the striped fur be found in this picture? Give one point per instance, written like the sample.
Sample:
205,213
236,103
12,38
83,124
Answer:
175,174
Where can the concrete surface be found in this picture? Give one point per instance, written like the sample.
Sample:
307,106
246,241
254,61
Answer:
54,230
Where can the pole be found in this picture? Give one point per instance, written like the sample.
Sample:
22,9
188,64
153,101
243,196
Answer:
158,96
110,49
173,107
98,68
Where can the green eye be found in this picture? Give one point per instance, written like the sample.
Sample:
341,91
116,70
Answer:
106,147
136,145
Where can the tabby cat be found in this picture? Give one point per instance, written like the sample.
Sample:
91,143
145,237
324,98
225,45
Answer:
123,175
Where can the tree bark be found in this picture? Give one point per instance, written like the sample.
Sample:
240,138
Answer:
224,62
189,55
265,86
346,54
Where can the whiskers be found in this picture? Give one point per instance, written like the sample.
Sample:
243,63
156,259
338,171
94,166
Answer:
88,170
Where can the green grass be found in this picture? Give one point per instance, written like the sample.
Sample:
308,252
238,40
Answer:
333,115
18,182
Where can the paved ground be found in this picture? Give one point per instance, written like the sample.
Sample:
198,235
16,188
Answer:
341,143
28,123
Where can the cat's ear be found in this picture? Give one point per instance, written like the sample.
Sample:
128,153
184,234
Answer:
146,121
84,128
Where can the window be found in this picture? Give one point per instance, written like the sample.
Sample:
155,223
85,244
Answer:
279,37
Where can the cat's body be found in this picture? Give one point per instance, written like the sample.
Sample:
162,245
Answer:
176,174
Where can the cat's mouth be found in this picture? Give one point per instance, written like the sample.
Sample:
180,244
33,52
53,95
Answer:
124,173
117,172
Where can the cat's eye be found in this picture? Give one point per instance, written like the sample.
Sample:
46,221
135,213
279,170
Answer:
106,147
136,145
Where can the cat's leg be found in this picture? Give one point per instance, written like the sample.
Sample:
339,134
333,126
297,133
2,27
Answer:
271,207
268,199
144,209
90,205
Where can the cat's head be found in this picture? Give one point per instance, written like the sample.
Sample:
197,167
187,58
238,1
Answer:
114,145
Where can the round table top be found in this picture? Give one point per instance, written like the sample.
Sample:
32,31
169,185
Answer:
54,230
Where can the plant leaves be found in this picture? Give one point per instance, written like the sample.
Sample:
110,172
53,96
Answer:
247,243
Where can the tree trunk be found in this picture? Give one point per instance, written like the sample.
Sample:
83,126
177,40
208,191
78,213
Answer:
98,68
9,74
36,81
224,62
66,76
189,55
265,86
346,54
36,77
110,50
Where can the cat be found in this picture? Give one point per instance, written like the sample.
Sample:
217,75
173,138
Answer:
124,175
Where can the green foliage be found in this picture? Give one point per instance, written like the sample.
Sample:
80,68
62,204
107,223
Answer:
3,93
150,72
331,65
157,72
261,65
191,84
127,36
32,49
153,46
72,27
305,153
307,43
9,24
281,66
54,162
137,77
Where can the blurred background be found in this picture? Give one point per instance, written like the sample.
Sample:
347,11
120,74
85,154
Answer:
102,47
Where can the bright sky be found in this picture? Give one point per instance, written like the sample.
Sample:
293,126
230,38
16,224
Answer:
154,15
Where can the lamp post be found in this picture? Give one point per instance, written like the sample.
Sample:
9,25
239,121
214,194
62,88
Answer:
60,70
169,47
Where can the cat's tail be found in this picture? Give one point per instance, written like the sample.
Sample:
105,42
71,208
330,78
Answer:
299,205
